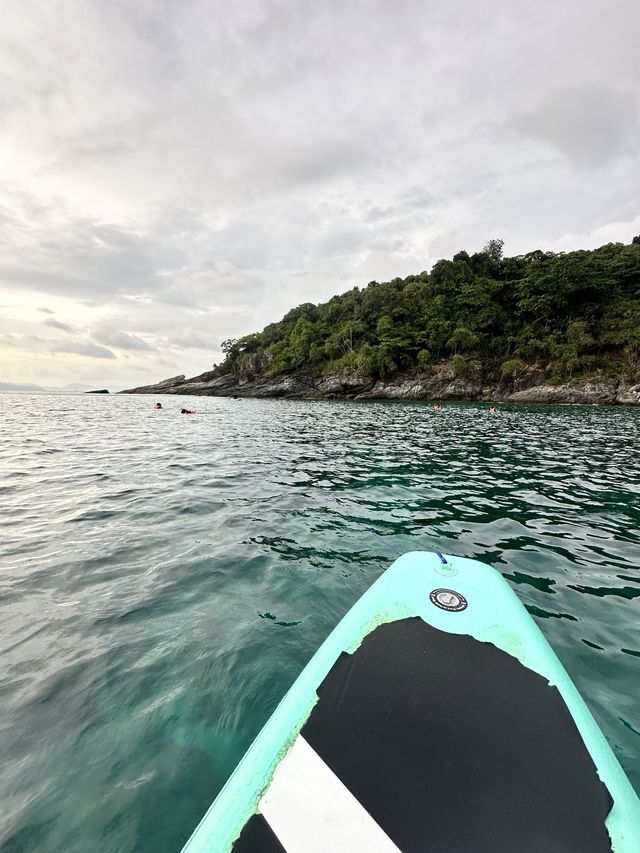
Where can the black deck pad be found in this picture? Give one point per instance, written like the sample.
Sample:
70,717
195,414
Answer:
257,837
453,746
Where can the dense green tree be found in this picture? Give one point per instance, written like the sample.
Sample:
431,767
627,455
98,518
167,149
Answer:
462,340
494,249
490,315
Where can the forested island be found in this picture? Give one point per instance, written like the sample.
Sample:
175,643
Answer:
543,326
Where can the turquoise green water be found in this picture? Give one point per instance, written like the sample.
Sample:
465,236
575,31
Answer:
164,578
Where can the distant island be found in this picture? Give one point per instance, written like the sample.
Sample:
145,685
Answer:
27,388
540,327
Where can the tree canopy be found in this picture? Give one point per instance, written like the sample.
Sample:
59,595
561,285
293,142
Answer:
573,312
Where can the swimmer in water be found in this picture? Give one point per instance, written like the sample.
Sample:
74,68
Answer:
187,411
157,405
492,409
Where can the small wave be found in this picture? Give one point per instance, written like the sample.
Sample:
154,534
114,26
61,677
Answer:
135,555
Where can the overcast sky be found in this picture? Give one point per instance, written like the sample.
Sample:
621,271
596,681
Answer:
176,173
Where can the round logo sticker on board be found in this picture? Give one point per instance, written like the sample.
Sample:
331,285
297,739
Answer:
448,599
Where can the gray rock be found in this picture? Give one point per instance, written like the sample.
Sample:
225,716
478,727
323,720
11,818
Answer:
628,395
173,380
330,387
440,383
164,387
597,390
462,389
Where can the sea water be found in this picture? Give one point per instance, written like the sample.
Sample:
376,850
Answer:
165,577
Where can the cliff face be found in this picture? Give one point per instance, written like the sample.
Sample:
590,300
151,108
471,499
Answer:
439,384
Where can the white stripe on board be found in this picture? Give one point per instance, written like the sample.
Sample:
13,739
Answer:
311,811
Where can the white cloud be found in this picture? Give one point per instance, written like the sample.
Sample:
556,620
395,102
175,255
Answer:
613,232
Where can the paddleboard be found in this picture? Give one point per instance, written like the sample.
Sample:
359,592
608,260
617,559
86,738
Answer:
435,718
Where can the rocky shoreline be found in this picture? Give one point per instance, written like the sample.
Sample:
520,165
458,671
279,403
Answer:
533,386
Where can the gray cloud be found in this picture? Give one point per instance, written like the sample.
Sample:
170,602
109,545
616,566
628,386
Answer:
172,176
193,341
82,348
588,124
122,340
56,324
23,341
38,344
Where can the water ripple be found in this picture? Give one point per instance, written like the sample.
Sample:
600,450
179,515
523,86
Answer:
165,579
